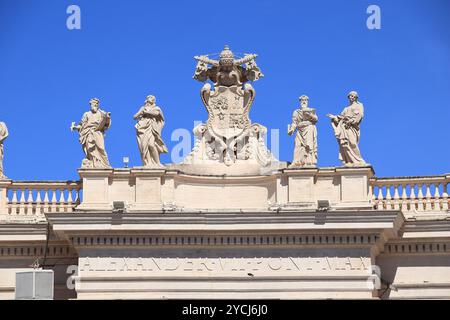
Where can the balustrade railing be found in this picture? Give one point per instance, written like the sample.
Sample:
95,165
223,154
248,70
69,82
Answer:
408,194
428,193
36,197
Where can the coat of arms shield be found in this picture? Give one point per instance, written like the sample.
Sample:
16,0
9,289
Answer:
228,109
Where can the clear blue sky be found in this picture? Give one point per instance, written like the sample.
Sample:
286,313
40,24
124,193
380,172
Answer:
126,50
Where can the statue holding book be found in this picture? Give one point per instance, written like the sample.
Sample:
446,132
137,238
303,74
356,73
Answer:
92,128
304,122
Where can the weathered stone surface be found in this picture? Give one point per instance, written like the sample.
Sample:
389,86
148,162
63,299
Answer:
347,132
304,122
148,129
92,128
228,136
231,222
3,135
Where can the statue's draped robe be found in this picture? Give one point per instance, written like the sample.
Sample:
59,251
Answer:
93,126
305,150
3,135
149,138
347,133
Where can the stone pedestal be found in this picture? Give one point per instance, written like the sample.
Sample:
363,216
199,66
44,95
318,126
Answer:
301,191
4,184
96,189
342,187
354,182
155,189
139,188
147,189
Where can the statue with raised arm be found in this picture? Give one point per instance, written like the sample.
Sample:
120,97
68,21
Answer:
304,121
346,131
92,128
3,135
150,123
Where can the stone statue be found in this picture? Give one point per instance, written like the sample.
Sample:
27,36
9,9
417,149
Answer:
3,135
92,129
150,123
346,130
304,121
228,136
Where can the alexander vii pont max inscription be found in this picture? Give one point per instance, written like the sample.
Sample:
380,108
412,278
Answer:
234,265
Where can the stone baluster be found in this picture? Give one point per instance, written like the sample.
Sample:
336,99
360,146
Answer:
29,201
444,196
388,197
427,204
64,198
14,204
380,200
61,201
396,197
53,201
77,196
22,201
412,197
437,197
420,203
69,200
404,206
39,209
46,199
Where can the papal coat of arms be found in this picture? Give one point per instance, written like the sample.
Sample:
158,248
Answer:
228,135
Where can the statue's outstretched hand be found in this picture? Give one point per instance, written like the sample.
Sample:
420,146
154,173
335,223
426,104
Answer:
74,127
333,118
290,129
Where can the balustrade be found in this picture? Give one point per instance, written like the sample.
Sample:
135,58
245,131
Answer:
35,198
411,193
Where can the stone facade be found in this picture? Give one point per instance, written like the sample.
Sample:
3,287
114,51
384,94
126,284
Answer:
255,236
231,221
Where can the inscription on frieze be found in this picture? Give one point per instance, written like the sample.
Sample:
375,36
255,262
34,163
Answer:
212,265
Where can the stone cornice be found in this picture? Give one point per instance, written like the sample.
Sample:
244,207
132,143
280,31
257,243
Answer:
27,232
234,221
35,250
417,246
363,229
242,240
423,227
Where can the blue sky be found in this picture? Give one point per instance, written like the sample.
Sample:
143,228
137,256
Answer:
126,50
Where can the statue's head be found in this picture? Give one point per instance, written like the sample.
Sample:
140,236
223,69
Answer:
150,100
94,102
352,96
226,59
304,100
